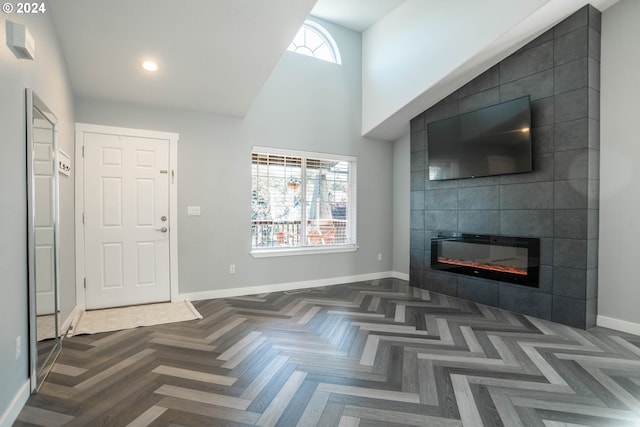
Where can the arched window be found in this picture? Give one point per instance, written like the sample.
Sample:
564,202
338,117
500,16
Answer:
313,40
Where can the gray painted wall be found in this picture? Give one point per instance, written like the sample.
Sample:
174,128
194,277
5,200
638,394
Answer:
401,203
557,202
619,291
307,105
47,75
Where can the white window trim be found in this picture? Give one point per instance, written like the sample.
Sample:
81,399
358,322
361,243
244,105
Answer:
328,38
305,250
351,223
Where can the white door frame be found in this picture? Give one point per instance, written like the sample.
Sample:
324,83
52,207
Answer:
173,138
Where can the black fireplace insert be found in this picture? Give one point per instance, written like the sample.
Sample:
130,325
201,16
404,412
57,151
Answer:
504,258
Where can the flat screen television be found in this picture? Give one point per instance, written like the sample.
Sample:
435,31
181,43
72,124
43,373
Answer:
494,140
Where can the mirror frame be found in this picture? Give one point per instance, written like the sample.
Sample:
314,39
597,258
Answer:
37,372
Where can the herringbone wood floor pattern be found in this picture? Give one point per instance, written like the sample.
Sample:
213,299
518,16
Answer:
376,353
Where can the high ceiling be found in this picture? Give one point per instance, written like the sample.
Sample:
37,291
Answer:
213,55
357,15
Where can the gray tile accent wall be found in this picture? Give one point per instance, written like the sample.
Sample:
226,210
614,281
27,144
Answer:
557,202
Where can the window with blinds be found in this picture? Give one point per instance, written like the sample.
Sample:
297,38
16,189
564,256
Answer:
301,200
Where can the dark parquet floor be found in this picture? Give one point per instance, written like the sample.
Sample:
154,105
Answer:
376,353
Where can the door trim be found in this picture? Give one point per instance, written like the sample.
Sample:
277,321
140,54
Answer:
173,138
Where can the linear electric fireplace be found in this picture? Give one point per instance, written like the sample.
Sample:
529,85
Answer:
504,258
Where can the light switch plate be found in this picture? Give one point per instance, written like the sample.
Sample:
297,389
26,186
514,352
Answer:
193,210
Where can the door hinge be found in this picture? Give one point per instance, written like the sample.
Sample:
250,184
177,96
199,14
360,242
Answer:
83,151
85,283
83,217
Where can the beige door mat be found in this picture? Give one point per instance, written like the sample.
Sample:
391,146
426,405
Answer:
115,319
45,327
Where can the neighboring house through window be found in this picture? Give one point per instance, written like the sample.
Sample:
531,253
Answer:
313,40
301,202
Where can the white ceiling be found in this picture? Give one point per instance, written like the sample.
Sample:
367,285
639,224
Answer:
214,55
357,15
439,69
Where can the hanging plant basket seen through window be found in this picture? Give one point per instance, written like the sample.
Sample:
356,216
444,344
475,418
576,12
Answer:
293,184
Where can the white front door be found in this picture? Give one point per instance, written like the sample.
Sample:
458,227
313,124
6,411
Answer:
45,259
126,220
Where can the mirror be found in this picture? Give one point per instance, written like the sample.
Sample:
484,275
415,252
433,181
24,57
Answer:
42,209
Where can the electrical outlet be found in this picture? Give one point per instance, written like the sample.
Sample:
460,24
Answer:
18,347
379,257
232,268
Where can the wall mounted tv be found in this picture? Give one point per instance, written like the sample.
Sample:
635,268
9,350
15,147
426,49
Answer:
494,140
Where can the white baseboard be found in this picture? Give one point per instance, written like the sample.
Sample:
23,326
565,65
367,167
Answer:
618,325
17,403
401,276
67,322
290,286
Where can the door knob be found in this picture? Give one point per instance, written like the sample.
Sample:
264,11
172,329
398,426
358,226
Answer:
163,229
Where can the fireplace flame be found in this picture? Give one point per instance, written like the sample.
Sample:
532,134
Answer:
483,266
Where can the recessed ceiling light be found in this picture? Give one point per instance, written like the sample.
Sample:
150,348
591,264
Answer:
150,66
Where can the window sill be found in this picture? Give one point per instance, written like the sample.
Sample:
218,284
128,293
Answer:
307,250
